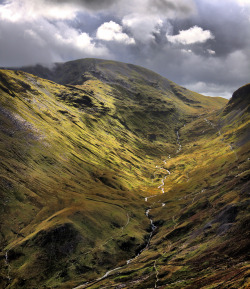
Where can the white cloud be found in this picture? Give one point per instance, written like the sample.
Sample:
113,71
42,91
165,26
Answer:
142,26
187,50
211,52
145,18
210,89
45,42
69,36
16,10
243,3
42,34
111,31
193,35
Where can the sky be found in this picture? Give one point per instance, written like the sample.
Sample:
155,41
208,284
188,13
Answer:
203,45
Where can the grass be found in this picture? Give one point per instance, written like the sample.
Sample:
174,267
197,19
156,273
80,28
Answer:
78,160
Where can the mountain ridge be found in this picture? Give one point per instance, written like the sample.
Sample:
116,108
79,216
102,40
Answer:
81,164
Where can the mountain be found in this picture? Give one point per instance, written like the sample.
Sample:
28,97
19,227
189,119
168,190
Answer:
88,147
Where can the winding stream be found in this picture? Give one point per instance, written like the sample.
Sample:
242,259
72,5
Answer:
153,228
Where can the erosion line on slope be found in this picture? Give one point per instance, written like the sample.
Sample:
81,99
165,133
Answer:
156,274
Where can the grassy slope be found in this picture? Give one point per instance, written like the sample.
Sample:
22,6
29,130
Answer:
76,161
202,240
54,172
138,92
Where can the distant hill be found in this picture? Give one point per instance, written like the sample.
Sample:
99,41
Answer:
138,93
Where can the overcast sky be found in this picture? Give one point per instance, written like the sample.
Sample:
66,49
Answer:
203,45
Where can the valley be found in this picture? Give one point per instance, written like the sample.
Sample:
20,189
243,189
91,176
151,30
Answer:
115,177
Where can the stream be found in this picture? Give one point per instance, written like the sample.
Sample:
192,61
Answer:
7,264
178,142
152,225
153,228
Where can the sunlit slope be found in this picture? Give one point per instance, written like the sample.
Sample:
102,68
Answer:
76,161
68,181
203,234
139,92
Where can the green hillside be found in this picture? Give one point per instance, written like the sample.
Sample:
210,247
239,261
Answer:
83,146
202,235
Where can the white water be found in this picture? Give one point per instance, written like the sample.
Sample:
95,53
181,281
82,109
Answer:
178,142
107,273
7,264
153,228
6,258
163,183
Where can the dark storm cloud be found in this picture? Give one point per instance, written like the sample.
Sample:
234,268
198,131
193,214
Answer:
166,5
89,4
183,7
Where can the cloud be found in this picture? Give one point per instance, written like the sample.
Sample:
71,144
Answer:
211,52
142,27
145,18
171,37
182,7
218,76
17,10
45,42
211,89
94,5
244,3
69,37
111,31
193,35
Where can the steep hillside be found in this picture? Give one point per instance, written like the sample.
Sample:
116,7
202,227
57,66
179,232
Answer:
83,150
202,219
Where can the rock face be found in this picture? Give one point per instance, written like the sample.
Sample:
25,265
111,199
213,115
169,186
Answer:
81,150
240,100
237,111
242,95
